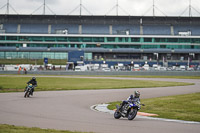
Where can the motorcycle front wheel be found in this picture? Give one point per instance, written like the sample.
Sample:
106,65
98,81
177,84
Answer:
117,115
26,93
132,114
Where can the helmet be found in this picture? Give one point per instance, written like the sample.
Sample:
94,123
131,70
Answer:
33,78
137,94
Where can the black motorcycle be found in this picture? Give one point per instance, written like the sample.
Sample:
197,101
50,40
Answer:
129,110
28,91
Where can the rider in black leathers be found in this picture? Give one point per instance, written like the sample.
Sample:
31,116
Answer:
131,98
34,83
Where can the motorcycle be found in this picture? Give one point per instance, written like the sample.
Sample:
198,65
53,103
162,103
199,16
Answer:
28,90
129,110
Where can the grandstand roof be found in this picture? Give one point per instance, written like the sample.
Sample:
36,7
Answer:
76,19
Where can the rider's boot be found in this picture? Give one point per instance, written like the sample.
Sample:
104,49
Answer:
120,108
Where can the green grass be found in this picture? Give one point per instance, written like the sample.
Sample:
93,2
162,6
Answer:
181,107
17,84
18,129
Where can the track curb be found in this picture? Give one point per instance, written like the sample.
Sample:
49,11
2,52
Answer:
103,108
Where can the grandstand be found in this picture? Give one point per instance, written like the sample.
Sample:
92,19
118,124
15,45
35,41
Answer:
114,39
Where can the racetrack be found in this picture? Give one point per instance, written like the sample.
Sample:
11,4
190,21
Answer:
70,110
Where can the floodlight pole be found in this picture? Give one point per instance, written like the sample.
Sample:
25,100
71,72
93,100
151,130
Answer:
190,13
80,7
44,7
153,8
8,6
117,6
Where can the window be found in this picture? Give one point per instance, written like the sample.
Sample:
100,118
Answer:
147,39
111,39
135,39
87,39
73,39
11,38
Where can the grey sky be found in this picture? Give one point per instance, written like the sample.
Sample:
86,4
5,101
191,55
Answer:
102,7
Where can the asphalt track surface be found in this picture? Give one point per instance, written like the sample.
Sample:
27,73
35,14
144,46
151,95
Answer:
70,110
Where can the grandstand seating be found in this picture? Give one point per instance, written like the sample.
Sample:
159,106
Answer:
95,29
34,28
150,29
195,29
71,28
133,29
156,30
10,27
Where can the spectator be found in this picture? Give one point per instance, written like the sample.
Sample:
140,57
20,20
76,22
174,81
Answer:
54,68
19,70
25,72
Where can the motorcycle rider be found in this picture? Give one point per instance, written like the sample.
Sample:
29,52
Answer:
131,98
33,82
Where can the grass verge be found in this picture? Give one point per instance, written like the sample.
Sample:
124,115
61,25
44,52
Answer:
18,129
180,107
17,84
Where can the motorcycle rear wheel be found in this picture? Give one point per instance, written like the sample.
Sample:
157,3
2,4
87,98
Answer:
117,115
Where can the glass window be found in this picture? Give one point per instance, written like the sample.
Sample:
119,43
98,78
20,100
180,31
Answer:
11,38
37,38
184,40
147,39
162,46
11,55
120,39
88,56
150,46
23,55
49,55
60,55
159,40
126,39
2,44
196,47
195,40
73,39
111,39
2,38
92,45
108,46
135,39
98,39
172,46
61,39
136,46
2,55
87,39
172,39
35,55
49,39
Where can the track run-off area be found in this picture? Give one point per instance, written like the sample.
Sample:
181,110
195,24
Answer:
70,110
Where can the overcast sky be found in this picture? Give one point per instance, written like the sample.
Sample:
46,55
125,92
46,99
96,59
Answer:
103,7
